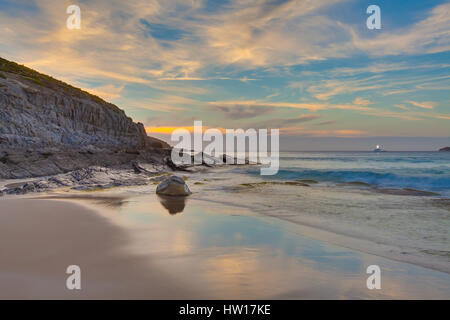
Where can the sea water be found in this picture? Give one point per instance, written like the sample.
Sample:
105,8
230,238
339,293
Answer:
428,171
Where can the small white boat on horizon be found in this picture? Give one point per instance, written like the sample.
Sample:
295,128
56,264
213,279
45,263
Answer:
378,148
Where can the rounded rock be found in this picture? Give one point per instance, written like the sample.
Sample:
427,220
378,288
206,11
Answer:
173,186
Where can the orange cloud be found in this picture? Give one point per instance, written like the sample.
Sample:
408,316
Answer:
322,133
348,132
170,130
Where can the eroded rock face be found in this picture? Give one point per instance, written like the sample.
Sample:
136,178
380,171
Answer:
35,116
49,127
173,186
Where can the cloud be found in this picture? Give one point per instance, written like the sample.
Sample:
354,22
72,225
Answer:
107,92
178,57
285,123
325,123
264,33
362,102
323,133
325,89
423,105
388,93
169,130
165,102
246,79
173,40
429,35
401,106
265,104
243,111
380,79
168,40
281,104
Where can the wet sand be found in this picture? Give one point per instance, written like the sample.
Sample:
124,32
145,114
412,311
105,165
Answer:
407,228
134,244
39,239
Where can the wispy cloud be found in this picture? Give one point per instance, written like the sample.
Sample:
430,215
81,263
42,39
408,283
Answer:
243,62
326,89
265,104
323,133
430,35
107,92
243,111
423,105
362,102
286,123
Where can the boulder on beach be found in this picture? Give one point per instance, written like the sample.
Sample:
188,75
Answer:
173,186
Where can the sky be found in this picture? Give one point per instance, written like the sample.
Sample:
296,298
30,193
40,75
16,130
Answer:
310,68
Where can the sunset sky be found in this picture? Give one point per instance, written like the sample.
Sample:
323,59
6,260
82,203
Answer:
311,68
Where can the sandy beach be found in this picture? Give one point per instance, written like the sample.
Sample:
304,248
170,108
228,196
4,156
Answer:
133,244
39,239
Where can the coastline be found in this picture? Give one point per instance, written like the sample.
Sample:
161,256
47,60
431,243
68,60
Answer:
339,218
343,215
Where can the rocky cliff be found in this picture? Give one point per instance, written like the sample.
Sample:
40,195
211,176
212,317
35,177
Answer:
49,127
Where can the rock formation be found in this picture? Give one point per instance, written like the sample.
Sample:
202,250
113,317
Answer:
173,186
49,127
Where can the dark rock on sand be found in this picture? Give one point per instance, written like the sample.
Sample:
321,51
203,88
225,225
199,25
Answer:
173,186
88,179
407,192
308,181
287,183
138,169
173,166
356,183
420,192
28,187
14,191
296,183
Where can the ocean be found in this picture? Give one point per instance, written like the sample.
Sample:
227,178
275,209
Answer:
428,171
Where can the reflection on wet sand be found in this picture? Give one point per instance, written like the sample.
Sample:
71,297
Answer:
217,251
230,253
108,201
173,204
39,239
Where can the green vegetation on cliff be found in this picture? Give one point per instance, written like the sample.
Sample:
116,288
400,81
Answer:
47,81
